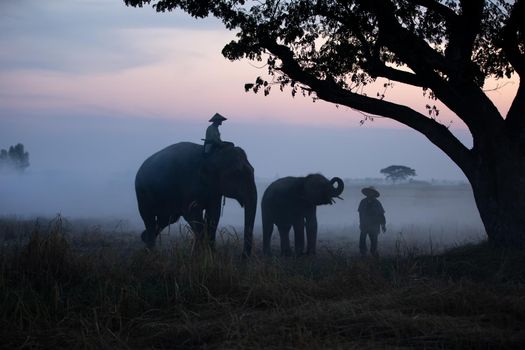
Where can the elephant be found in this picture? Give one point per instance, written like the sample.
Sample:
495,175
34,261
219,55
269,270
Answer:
180,180
292,201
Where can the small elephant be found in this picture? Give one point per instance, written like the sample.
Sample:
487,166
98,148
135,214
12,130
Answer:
292,201
181,181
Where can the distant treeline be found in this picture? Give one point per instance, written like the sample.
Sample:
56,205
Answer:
15,158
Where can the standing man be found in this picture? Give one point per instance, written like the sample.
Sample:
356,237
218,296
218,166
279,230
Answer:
213,140
371,219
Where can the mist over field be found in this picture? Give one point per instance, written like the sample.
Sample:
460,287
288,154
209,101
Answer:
85,168
91,88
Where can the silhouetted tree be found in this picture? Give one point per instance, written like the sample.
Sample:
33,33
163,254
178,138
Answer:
16,158
398,172
331,49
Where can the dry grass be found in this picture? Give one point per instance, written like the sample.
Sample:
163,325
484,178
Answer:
89,289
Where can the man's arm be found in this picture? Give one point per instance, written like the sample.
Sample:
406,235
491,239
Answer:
382,218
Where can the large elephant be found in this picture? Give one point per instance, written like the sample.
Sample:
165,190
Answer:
181,181
292,201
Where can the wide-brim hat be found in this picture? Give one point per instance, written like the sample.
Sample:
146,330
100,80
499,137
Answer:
217,118
370,192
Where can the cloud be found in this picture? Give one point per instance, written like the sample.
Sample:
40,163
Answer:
82,37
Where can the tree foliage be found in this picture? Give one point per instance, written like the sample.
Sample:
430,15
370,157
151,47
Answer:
16,158
333,49
398,172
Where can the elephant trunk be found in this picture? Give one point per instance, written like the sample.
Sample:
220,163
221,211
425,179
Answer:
250,208
337,190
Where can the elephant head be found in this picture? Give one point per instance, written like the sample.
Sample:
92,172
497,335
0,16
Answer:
227,172
318,190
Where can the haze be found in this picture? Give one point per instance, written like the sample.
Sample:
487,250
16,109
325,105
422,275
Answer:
92,88
85,167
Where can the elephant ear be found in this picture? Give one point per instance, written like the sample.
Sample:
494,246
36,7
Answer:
312,191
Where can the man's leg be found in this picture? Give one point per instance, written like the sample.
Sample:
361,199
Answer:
362,243
373,243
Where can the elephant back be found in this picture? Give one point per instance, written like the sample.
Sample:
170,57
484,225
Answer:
282,189
166,168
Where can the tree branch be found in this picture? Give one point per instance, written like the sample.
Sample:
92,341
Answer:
510,43
374,65
515,120
377,68
327,90
439,8
510,40
410,48
462,96
462,34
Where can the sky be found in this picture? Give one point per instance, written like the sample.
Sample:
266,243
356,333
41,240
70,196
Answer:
92,88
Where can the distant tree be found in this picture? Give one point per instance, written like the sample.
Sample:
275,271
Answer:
16,158
398,172
333,49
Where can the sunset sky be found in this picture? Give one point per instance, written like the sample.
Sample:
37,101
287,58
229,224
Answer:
94,86
100,57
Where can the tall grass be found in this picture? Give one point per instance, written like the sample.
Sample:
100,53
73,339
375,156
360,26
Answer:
92,289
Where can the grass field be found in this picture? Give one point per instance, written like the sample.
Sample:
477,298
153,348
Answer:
72,285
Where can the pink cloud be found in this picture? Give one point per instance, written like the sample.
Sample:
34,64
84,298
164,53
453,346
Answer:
189,78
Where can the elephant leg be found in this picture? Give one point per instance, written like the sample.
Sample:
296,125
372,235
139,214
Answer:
196,222
362,243
149,235
173,219
298,228
284,231
267,226
373,243
213,213
162,222
154,226
311,231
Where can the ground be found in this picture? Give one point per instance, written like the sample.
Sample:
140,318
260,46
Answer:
76,285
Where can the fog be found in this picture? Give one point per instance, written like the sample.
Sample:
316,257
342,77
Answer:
81,82
84,167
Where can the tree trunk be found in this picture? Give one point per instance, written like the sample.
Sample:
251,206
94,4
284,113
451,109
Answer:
498,184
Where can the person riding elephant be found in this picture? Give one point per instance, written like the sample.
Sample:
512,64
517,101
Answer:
293,201
212,141
178,181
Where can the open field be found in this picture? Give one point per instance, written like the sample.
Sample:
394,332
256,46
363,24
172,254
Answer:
77,285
